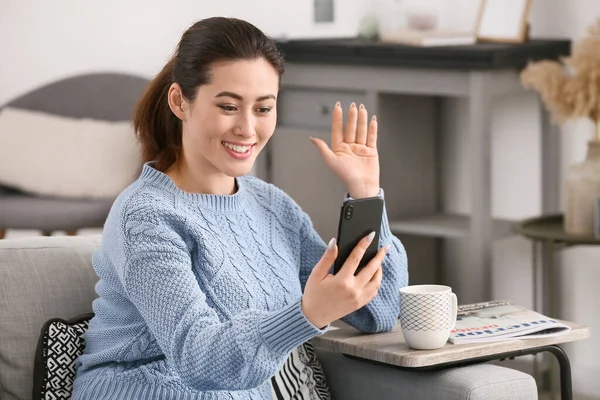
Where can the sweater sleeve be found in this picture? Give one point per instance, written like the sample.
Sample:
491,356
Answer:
208,353
381,314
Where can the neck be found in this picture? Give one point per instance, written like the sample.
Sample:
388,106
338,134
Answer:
200,180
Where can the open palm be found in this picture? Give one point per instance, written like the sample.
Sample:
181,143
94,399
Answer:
353,154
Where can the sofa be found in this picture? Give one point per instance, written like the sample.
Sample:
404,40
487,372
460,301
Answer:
52,277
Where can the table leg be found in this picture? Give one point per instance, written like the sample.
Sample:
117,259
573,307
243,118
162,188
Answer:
552,309
550,188
536,301
544,277
566,389
479,160
534,270
552,289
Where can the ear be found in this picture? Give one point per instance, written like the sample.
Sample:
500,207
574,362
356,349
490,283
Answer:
177,102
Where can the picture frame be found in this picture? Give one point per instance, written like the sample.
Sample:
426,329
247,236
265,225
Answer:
503,21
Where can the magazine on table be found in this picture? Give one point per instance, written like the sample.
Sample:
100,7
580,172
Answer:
502,320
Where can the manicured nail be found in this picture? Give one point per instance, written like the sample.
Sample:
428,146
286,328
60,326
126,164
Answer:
374,118
361,106
312,139
331,244
338,104
387,248
353,105
370,237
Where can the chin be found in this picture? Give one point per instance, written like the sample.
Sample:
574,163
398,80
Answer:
237,171
235,168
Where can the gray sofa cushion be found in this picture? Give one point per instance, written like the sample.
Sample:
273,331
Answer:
353,379
40,278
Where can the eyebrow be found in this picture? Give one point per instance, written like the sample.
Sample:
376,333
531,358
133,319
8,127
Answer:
238,97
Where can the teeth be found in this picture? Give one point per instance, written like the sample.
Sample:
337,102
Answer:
236,148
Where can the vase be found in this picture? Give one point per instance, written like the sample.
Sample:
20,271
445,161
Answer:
581,192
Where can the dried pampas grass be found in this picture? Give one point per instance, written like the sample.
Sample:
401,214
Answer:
570,88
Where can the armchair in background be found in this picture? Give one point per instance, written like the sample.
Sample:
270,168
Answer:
97,98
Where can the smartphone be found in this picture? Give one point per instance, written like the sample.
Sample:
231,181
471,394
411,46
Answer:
358,218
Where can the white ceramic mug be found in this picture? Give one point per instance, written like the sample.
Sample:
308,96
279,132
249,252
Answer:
427,315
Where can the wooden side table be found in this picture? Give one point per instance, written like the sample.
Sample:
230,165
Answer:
547,236
390,348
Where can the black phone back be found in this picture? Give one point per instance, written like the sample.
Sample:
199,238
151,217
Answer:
358,218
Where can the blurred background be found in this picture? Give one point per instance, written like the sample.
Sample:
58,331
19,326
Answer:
42,42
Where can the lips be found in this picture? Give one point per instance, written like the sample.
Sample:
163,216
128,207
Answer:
238,151
238,147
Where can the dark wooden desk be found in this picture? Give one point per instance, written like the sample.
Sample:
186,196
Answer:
468,57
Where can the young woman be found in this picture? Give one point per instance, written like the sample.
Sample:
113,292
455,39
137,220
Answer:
210,278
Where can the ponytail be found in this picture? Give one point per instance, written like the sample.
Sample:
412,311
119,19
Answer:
157,128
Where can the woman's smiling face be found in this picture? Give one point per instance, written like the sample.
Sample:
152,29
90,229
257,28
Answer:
232,117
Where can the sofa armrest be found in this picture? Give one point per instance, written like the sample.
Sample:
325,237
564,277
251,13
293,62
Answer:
352,379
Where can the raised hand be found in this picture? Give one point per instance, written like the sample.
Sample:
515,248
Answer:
353,154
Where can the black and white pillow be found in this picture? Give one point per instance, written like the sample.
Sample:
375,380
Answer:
301,377
60,343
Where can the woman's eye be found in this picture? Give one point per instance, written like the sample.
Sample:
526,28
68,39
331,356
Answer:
263,110
228,108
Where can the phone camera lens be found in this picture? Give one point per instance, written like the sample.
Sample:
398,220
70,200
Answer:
348,214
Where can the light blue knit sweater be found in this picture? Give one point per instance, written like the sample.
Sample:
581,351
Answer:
199,295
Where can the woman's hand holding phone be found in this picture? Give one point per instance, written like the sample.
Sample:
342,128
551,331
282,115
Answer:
329,297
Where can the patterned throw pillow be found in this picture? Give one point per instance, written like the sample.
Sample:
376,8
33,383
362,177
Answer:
61,342
301,377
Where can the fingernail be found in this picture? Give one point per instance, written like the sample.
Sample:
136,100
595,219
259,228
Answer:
362,106
337,104
353,105
312,139
331,244
374,118
370,237
387,248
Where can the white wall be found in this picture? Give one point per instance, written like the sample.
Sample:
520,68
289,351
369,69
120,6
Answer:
41,41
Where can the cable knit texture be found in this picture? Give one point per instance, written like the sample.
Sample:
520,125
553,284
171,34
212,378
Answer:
199,295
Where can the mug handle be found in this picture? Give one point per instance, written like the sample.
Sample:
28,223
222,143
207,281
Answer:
454,309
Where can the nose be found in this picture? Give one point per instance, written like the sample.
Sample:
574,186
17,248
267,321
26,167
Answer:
245,126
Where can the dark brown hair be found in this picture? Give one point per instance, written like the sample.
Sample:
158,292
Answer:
205,43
